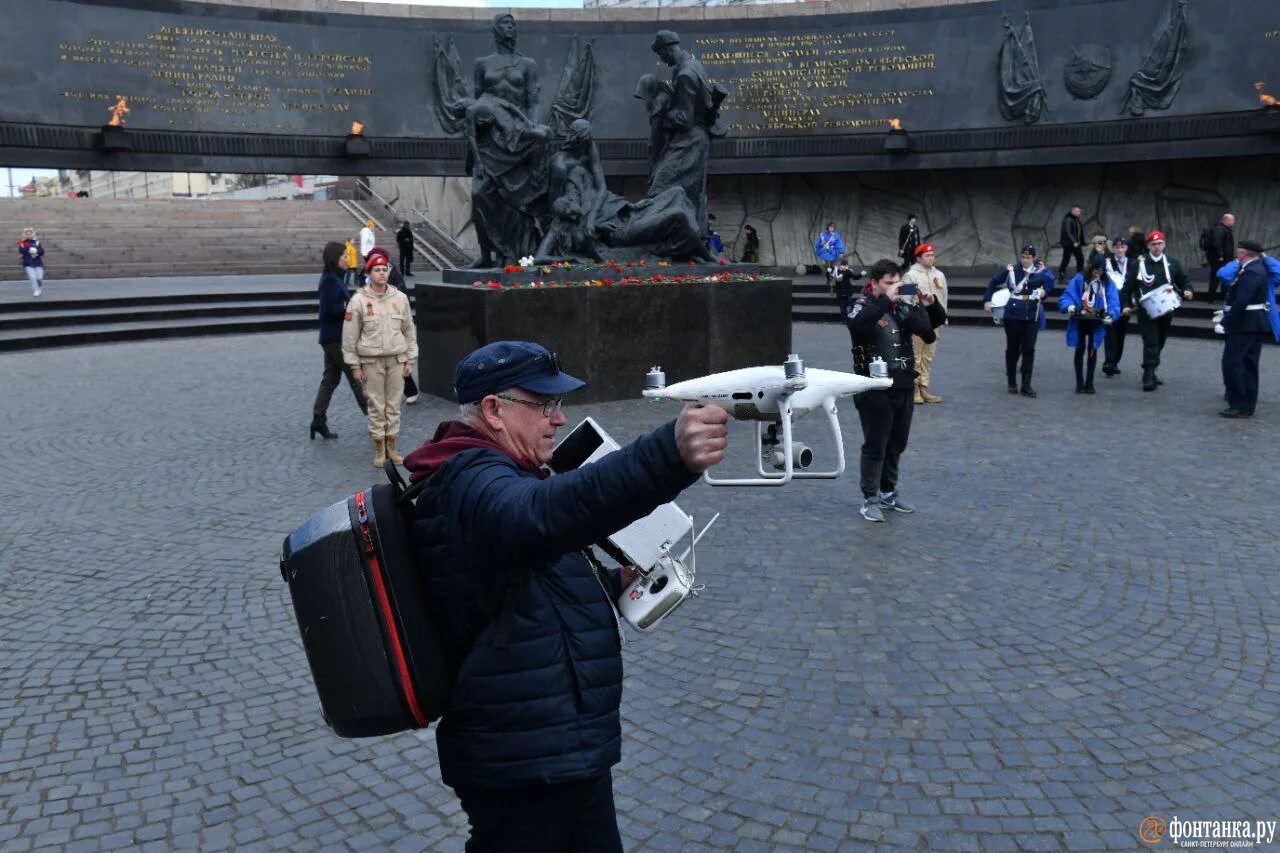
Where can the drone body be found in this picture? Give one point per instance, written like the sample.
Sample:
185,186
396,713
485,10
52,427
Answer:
773,395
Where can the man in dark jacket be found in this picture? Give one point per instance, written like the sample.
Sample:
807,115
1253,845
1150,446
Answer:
1247,325
881,326
1070,238
404,241
908,242
523,608
1220,250
844,282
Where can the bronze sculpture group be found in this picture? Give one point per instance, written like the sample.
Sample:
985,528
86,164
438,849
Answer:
538,188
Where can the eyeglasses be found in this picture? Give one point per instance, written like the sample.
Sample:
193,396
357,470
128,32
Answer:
548,408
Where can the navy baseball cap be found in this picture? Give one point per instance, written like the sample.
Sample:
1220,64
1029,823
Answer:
501,365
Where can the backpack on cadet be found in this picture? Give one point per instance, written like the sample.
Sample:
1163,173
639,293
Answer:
375,657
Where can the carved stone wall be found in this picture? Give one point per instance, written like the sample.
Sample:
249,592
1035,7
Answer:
975,217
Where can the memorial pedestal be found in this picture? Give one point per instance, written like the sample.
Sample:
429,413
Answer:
608,336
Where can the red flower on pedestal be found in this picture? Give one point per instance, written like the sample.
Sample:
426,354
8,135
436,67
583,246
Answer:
724,262
493,285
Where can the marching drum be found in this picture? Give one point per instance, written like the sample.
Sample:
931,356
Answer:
999,300
1160,301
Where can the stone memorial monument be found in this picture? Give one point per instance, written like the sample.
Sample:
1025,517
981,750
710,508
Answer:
538,189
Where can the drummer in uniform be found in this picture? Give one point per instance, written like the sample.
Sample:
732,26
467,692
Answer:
1090,304
1117,266
1146,275
1028,282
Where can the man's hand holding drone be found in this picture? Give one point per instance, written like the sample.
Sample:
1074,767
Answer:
702,434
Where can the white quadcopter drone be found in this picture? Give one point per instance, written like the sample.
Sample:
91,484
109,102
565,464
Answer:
773,395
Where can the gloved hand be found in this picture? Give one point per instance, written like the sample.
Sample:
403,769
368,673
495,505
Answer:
1038,293
1219,330
1071,309
1106,321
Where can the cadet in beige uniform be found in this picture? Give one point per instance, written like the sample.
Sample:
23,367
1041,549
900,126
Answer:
929,279
380,345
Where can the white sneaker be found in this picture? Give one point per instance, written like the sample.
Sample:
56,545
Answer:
411,400
35,294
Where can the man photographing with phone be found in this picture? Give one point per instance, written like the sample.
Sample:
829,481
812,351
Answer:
881,325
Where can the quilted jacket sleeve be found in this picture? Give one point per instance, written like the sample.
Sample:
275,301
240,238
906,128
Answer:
498,510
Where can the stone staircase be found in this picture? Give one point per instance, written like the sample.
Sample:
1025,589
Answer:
127,238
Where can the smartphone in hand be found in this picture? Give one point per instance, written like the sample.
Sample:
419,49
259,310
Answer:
908,289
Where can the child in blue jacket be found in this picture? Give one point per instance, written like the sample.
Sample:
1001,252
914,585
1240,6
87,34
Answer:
1091,304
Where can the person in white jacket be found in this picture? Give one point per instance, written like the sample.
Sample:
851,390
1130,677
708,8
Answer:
368,239
928,279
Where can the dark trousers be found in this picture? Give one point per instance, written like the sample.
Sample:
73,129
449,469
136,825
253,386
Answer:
1115,341
1067,253
1154,334
1020,342
1214,266
886,426
1085,352
334,369
1240,356
570,816
843,303
406,262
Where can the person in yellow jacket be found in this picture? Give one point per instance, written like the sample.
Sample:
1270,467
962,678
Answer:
353,264
380,345
928,279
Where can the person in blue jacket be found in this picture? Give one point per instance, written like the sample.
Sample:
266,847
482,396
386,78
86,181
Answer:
32,253
333,309
1250,315
829,247
523,607
1091,305
1028,282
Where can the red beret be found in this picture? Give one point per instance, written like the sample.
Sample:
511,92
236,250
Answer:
922,248
1154,236
376,257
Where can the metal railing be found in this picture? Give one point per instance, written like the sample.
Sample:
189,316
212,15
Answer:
439,248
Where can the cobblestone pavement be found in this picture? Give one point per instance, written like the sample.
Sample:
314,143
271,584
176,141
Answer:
1077,629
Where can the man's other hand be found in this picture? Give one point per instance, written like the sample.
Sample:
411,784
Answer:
702,433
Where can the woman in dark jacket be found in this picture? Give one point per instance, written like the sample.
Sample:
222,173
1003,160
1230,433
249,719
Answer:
333,309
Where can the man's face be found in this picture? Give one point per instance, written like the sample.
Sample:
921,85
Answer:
1075,211
667,53
1028,259
1118,248
1229,221
888,284
530,434
378,275
926,258
831,229
1156,247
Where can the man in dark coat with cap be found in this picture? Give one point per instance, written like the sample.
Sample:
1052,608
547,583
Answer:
523,607
1246,322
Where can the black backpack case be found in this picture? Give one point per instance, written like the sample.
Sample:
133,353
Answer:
359,601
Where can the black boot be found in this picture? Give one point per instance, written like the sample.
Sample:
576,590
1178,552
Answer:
1148,379
1156,377
1027,390
320,424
